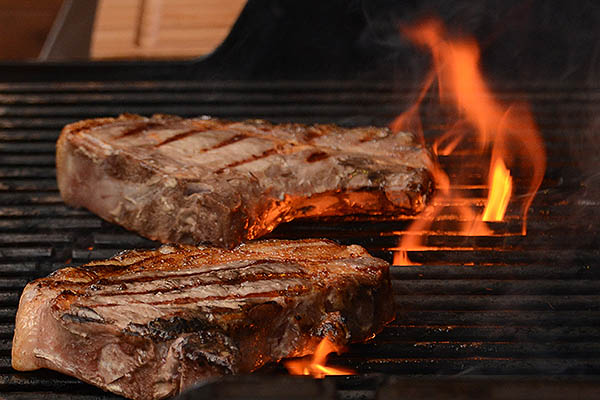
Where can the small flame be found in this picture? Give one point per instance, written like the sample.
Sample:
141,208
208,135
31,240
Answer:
401,258
508,133
315,364
501,188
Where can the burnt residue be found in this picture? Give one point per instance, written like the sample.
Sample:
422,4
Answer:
210,349
194,340
317,156
168,328
378,177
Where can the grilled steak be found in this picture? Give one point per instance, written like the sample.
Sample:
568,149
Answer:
147,324
210,181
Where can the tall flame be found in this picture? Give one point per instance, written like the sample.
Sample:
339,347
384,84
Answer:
509,133
316,364
500,191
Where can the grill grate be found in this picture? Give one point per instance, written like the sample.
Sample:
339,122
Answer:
495,305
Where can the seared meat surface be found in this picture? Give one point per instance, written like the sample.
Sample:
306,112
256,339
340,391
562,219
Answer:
147,324
216,182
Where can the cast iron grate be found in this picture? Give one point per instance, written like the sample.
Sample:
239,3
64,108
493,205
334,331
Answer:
478,306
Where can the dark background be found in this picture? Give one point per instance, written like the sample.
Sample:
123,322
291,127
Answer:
520,40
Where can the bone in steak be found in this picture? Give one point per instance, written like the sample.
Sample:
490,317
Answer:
211,181
147,324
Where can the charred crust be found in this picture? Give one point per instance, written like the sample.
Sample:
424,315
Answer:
317,156
377,177
356,162
209,349
333,326
168,328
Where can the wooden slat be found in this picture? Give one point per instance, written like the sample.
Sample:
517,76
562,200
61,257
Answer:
161,28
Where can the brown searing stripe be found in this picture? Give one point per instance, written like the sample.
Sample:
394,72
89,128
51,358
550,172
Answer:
261,276
224,143
115,268
265,154
140,127
182,135
294,291
199,127
170,274
234,139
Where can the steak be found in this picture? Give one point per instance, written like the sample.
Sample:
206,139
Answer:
147,324
210,181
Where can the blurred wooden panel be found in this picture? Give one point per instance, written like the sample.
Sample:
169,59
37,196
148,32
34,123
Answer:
24,25
161,28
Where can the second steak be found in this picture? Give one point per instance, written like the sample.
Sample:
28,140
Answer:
148,324
210,181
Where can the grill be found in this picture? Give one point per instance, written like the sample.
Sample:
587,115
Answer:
480,313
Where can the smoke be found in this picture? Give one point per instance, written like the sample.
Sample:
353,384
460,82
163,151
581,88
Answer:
532,40
521,41
585,151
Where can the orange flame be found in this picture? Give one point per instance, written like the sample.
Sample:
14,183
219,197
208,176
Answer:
500,191
315,365
508,132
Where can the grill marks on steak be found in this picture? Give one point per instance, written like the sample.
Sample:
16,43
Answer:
211,181
146,324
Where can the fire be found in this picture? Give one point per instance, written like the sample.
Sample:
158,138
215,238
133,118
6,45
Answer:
500,190
505,135
315,364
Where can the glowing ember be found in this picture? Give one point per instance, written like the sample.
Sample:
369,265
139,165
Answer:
501,188
506,133
315,365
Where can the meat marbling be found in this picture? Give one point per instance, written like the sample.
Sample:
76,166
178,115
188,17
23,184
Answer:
216,182
148,323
